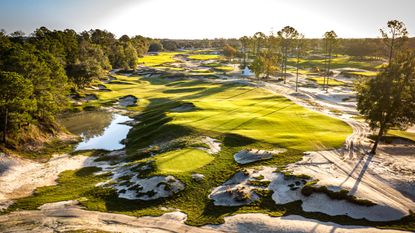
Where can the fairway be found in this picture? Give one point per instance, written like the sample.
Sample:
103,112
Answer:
231,108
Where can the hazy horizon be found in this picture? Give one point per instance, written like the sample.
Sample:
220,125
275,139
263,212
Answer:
190,19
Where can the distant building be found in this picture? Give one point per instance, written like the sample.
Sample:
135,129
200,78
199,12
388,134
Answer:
247,72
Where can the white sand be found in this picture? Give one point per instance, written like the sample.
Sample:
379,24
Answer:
68,216
289,224
19,177
214,145
222,195
283,193
253,155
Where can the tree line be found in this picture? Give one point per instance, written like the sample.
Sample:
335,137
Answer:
268,55
38,72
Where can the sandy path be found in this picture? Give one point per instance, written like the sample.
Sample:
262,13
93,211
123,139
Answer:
67,216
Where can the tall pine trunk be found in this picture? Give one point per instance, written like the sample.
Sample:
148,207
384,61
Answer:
6,115
378,137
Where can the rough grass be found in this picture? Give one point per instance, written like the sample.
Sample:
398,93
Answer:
182,160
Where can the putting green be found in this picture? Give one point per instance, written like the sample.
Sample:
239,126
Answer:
182,160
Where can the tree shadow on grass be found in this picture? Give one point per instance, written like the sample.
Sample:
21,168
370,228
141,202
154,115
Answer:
236,140
154,126
184,90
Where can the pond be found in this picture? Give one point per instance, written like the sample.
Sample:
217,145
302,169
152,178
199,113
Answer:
99,130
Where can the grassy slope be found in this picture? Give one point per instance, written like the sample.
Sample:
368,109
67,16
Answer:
403,134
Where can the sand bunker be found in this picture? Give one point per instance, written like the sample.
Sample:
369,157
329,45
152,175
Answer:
286,189
253,155
240,189
214,145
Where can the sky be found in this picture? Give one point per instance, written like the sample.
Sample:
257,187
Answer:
198,19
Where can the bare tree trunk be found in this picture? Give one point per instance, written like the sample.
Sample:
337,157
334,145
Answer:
391,47
296,79
378,137
285,65
6,115
328,70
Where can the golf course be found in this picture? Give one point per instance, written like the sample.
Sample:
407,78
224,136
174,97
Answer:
211,129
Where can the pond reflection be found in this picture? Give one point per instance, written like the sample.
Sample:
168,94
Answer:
99,130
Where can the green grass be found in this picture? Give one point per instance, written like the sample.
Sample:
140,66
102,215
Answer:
212,64
332,82
224,68
365,74
337,62
205,57
253,113
402,134
182,160
157,60
202,71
